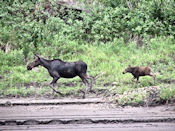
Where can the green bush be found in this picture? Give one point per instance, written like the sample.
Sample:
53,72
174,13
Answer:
13,58
167,93
22,24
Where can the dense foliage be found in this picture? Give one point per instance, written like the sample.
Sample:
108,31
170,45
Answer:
21,22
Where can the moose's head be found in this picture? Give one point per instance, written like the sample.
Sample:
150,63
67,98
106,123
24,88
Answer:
35,63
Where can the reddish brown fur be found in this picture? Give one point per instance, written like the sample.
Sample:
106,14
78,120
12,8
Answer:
139,71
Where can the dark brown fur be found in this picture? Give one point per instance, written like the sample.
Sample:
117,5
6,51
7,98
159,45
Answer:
60,69
139,71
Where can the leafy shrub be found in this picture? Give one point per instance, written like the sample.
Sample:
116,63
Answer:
167,93
23,26
13,58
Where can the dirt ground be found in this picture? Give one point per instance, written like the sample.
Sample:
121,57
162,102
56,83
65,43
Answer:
82,114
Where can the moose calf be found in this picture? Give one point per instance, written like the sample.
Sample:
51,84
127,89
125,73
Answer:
139,71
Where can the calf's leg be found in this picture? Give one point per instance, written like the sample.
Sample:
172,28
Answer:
137,80
154,76
133,78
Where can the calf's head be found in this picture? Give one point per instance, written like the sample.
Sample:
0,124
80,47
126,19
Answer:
35,63
128,69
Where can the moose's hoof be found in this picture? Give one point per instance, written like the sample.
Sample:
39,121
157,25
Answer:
62,95
52,97
92,91
84,96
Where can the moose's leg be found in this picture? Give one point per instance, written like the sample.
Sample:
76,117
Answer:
137,80
133,78
83,78
52,86
92,80
154,76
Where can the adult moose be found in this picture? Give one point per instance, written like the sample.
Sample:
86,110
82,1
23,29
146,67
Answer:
60,69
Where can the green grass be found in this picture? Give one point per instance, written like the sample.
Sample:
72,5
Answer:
108,59
167,92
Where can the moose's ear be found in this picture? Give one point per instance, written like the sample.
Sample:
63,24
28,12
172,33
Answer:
36,56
